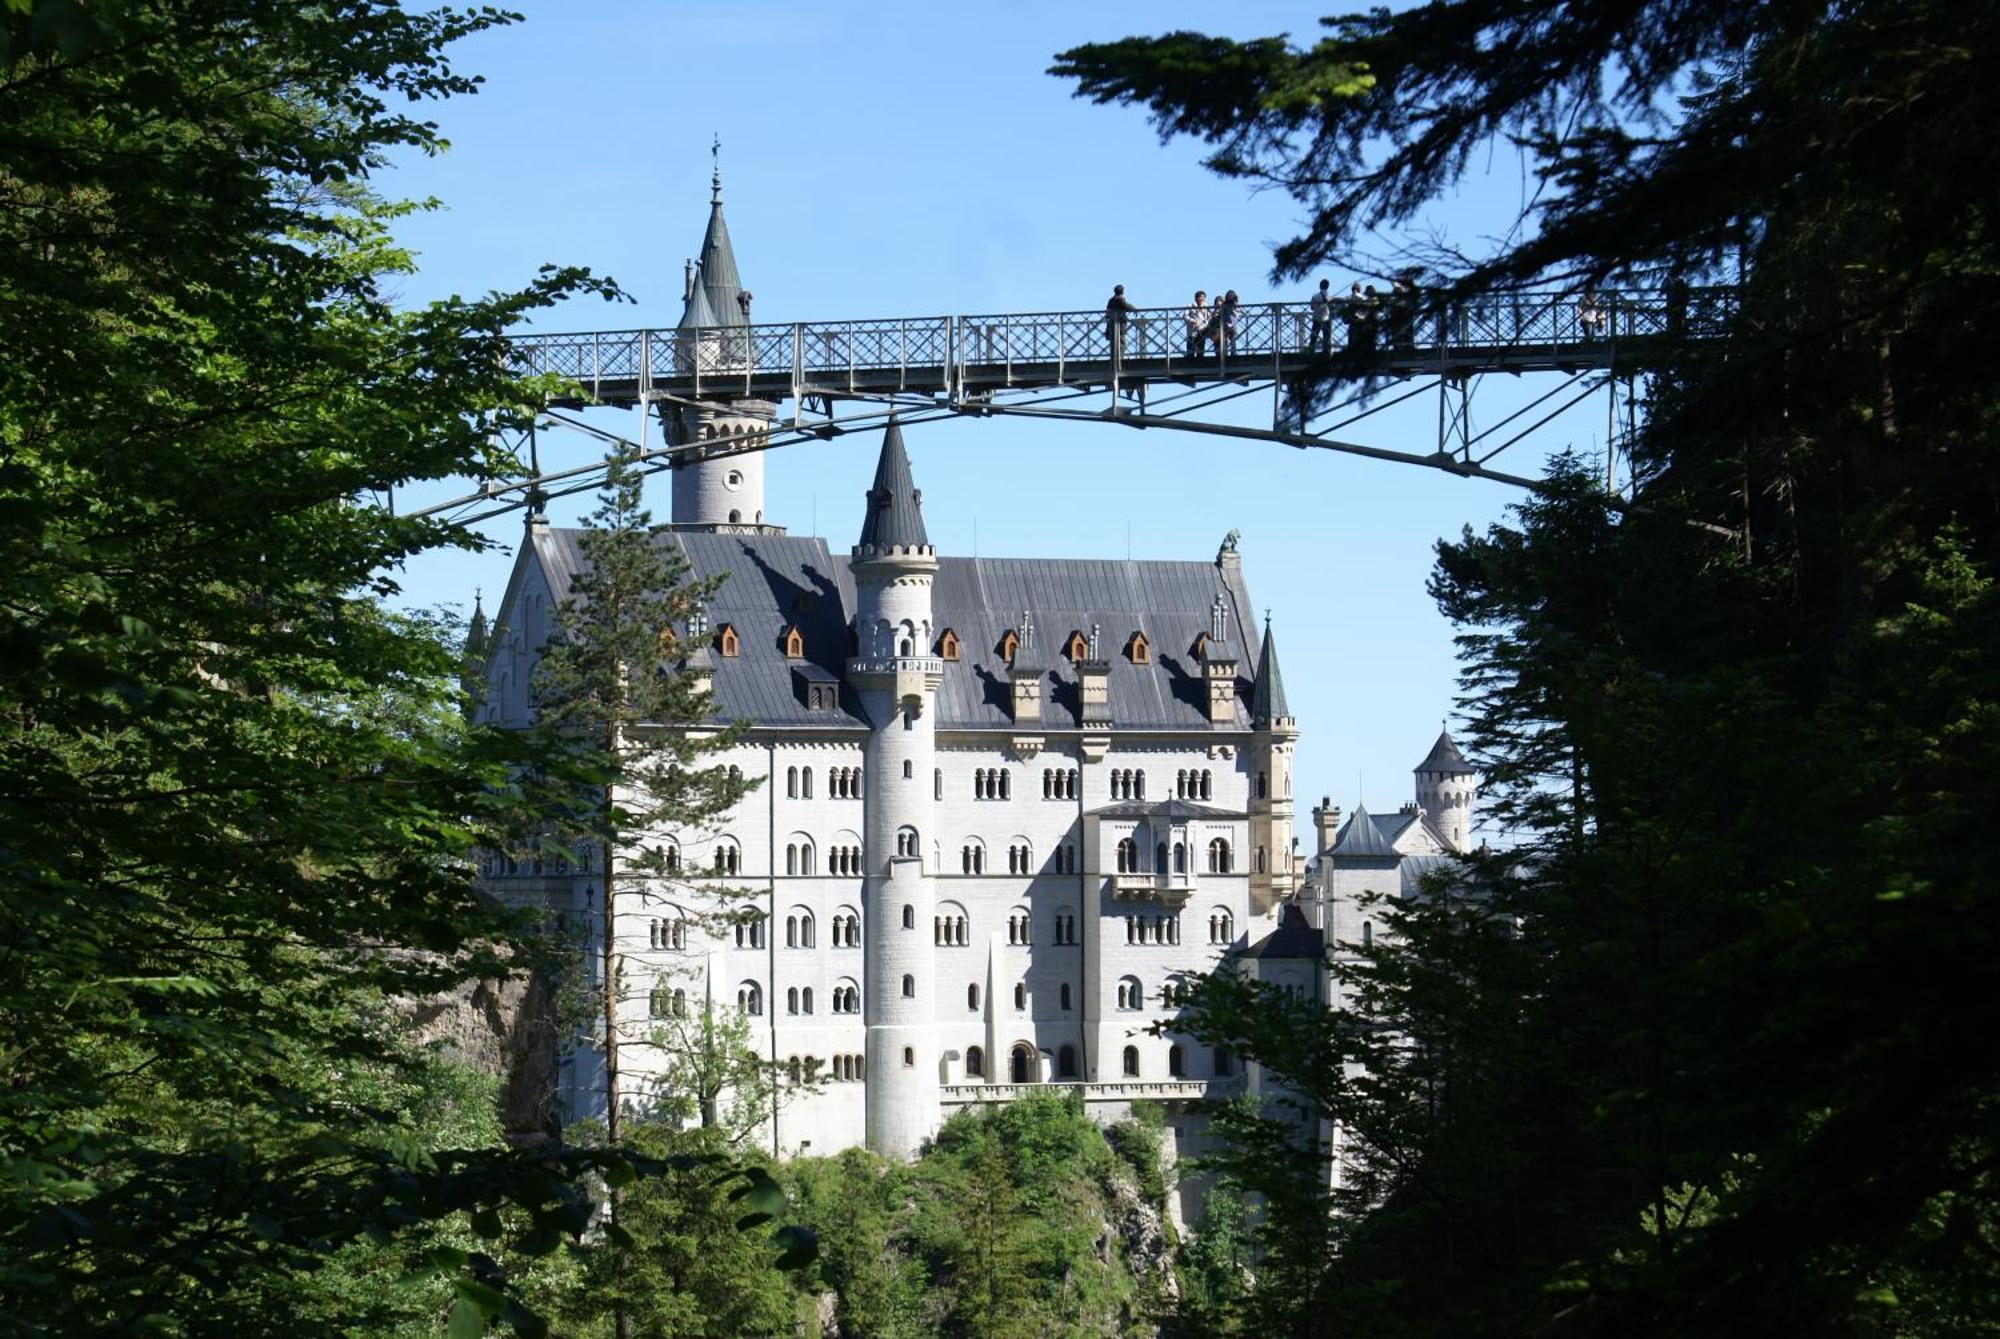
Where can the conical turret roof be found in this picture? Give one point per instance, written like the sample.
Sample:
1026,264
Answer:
1267,697
1361,837
697,312
1444,757
895,518
717,268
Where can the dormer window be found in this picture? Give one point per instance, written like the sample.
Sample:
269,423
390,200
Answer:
1077,647
948,645
1200,647
1010,642
795,643
1138,650
727,642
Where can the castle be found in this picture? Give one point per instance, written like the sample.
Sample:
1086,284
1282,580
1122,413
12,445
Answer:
1006,805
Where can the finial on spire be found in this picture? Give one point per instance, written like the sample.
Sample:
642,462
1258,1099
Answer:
715,181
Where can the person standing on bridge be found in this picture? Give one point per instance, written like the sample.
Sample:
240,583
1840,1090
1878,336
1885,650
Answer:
1115,312
1225,323
1197,317
1322,319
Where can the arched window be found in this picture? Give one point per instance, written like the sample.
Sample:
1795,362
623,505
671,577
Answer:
1221,927
1010,642
791,783
1262,861
906,841
909,1055
909,986
937,783
1066,1062
1175,1069
1207,784
975,1063
792,1000
1131,1062
1218,855
1160,858
659,1002
749,998
1021,1063
948,645
1128,856
1065,995
795,643
791,932
1077,647
1263,786
1139,785
806,999
1131,995
726,640
806,782
1138,650
972,996
1180,858
1020,995
680,1004
909,769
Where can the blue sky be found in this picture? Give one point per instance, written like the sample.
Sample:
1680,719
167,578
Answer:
900,159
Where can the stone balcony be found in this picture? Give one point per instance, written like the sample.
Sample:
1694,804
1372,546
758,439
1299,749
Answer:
1128,1090
1169,890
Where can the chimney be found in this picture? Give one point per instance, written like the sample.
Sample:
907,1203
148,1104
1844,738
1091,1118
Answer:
1093,683
1026,674
1326,822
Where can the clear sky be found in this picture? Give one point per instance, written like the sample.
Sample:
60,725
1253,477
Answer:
900,159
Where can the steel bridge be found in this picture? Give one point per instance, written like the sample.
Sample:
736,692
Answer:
838,376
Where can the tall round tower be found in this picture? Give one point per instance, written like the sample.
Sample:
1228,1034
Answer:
1446,789
896,675
719,478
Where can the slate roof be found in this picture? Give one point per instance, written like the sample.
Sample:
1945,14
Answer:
1267,700
1363,838
1444,757
1294,938
895,514
1414,868
775,580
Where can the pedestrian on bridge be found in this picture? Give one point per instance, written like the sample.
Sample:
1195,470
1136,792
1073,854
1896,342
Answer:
1115,312
1225,323
1322,319
1197,316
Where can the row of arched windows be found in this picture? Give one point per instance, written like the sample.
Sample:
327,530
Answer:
799,931
1172,858
992,783
1128,784
846,931
665,1003
849,1068
949,931
1020,860
728,859
750,998
1018,928
1195,785
750,934
1221,928
847,999
1059,783
799,1001
668,934
843,783
1153,929
972,858
1065,929
799,859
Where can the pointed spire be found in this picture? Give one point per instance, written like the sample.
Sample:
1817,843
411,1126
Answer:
895,518
1267,698
1445,757
475,636
715,290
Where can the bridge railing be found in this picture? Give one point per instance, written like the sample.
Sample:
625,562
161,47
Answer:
931,351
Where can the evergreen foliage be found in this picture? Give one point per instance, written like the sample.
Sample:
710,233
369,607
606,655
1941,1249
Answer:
1706,1053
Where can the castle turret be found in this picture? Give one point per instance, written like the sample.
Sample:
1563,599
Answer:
896,675
472,664
719,479
1276,734
1446,789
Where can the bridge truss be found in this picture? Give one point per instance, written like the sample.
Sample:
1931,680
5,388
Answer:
827,378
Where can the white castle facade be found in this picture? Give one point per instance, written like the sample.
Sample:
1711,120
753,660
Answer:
1005,807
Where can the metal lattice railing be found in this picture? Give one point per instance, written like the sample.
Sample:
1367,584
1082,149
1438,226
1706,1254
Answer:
941,351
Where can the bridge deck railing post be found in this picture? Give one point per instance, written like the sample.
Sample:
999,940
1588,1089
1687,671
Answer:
798,368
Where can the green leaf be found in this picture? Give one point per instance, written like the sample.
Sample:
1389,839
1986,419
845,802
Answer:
467,1321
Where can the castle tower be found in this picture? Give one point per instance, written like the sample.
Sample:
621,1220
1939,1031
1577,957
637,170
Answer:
1276,735
896,674
1446,788
719,483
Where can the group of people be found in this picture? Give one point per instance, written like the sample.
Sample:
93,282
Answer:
1212,326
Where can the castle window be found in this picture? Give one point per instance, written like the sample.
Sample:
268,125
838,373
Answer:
1077,647
806,783
1128,856
906,841
972,858
680,1004
1131,995
806,999
909,1055
1175,1069
795,643
1020,995
1010,642
735,516
749,998
659,1002
1224,1064
1221,927
909,986
1200,646
972,997
846,998
937,783
1180,858
1066,1062
1263,860
791,783
1207,784
1020,859
727,642
1367,934
1065,996
1138,651
1021,1063
1218,856
792,1000
1131,1062
909,917
948,645
909,769
1160,858
975,1063
1263,786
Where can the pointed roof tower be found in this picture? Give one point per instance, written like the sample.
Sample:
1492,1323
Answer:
895,518
1445,757
719,280
1267,697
